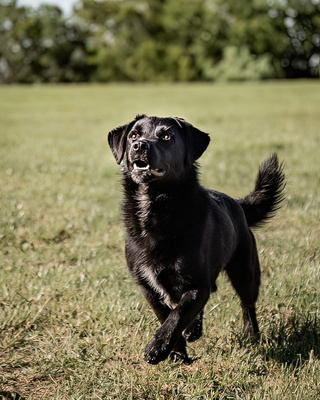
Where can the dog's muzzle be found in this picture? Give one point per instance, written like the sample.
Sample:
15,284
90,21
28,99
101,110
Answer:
139,152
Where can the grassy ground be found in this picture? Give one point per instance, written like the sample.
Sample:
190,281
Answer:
72,324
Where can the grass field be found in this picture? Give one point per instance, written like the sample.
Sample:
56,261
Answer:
72,324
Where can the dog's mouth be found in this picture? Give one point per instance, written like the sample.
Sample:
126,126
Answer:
140,165
143,166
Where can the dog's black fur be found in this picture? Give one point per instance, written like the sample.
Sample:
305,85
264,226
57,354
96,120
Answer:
180,236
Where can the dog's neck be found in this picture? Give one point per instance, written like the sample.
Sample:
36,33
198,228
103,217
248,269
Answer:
146,206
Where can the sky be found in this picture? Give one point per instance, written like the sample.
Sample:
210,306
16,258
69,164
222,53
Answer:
65,5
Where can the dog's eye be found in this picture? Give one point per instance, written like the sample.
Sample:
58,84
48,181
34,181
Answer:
134,135
166,136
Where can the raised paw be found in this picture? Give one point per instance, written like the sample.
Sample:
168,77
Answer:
156,351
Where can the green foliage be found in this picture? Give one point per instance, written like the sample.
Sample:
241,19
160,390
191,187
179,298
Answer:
40,46
72,323
168,40
300,21
239,64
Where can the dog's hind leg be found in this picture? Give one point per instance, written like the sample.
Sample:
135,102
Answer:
244,273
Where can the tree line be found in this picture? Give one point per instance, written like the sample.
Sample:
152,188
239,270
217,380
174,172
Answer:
160,40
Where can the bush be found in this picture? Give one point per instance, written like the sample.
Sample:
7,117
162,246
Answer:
239,64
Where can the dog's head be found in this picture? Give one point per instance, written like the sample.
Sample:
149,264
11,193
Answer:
153,148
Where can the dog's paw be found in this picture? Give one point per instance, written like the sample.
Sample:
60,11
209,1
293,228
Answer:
179,352
194,331
176,356
156,351
193,335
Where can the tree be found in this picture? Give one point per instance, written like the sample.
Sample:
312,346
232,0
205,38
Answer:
299,21
40,45
155,40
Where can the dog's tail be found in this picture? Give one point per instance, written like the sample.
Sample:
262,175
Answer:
261,204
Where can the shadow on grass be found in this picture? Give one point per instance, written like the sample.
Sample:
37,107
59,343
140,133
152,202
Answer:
10,396
289,339
292,339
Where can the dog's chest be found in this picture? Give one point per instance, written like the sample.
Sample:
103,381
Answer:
142,209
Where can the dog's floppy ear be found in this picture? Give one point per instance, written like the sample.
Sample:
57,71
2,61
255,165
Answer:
117,139
197,141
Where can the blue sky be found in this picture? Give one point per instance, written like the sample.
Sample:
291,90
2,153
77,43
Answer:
65,5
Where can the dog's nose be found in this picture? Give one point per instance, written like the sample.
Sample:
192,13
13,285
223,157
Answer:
140,145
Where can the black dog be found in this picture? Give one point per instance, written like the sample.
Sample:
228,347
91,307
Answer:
180,236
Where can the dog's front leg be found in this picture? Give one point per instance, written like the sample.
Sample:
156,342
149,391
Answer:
153,298
162,312
169,336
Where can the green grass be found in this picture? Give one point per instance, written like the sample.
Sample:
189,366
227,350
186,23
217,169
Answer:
72,324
